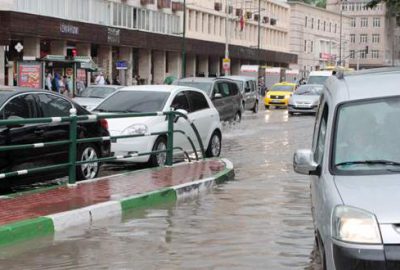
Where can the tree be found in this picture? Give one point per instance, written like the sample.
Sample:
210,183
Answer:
392,6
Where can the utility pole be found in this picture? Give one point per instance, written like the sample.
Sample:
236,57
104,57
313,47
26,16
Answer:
259,32
184,41
227,24
340,33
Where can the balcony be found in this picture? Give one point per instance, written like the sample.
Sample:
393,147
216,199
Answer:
105,13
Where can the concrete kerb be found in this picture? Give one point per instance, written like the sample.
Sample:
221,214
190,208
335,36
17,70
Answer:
51,224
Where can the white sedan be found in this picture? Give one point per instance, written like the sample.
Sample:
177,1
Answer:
157,98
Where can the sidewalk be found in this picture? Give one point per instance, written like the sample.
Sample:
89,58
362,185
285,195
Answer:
29,215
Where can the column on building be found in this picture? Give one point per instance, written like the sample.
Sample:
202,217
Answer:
145,65
58,47
190,65
214,65
174,64
83,49
125,76
2,66
235,66
105,61
159,67
203,65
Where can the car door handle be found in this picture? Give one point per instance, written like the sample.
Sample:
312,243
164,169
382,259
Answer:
39,131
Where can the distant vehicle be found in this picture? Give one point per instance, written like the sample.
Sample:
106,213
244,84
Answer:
18,104
156,98
319,77
93,95
354,168
248,89
279,95
224,93
305,99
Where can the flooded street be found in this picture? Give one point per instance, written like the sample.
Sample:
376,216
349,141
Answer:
261,220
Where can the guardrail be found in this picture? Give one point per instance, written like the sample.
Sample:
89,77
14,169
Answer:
73,141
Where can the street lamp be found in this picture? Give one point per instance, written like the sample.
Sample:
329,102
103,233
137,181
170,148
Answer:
340,33
184,41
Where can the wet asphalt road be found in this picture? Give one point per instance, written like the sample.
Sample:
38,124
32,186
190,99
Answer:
261,220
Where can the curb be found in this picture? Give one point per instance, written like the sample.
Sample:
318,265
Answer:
52,224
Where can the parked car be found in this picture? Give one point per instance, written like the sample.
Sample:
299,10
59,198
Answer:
16,103
305,99
248,89
354,166
319,76
224,93
93,95
279,95
156,98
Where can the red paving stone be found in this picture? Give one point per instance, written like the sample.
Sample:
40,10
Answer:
110,188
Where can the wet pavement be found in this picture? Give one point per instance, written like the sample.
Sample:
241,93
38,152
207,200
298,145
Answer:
259,221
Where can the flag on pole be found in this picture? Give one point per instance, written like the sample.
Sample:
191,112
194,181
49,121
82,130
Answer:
241,22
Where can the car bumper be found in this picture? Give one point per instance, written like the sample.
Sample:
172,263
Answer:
123,147
376,257
276,102
302,109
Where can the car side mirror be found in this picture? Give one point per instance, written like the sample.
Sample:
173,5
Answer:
177,116
217,96
247,90
14,117
303,162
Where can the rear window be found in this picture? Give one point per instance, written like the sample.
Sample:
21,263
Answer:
96,92
205,86
317,79
286,88
134,101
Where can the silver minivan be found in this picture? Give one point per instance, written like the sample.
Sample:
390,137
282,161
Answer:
354,167
248,88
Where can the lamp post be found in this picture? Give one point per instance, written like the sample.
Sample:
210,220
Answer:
259,32
227,24
184,41
340,34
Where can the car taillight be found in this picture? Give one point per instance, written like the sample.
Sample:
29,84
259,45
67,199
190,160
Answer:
103,123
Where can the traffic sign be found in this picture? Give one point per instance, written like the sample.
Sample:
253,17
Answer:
226,64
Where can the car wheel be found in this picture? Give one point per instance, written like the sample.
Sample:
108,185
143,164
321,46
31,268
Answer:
159,159
237,117
266,107
321,251
255,109
86,171
214,146
290,113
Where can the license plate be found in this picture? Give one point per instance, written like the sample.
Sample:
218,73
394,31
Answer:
276,101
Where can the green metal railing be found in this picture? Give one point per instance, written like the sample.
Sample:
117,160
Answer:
73,141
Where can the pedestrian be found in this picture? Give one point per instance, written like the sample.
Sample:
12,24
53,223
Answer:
100,79
49,78
107,81
55,83
116,80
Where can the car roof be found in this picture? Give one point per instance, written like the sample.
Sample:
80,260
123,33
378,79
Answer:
106,86
239,78
373,83
321,73
158,88
285,83
202,79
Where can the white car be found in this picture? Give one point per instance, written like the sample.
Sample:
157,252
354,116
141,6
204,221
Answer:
93,95
157,98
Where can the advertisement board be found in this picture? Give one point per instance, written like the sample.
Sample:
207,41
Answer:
30,74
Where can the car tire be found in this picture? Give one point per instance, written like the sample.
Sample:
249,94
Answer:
266,107
214,145
87,170
255,109
237,118
158,159
290,113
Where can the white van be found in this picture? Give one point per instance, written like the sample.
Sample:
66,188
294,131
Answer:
319,77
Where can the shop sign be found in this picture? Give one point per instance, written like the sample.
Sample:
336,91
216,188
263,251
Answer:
29,75
113,35
226,64
325,56
69,29
121,64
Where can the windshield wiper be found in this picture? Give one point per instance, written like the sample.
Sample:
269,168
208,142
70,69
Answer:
101,110
370,162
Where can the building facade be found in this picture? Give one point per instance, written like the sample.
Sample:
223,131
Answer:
318,36
374,38
134,38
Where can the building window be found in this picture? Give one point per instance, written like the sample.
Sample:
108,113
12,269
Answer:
318,24
324,25
363,38
362,54
312,23
375,54
305,45
330,27
352,38
312,46
305,24
352,54
353,22
364,22
375,38
335,27
376,22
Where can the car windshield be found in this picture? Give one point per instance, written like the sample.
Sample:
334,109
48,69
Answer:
205,86
309,90
317,79
285,88
134,101
240,85
96,92
367,136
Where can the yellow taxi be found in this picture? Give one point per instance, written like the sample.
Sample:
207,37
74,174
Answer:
279,94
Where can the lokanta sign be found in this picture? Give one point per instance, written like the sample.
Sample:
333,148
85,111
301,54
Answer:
29,75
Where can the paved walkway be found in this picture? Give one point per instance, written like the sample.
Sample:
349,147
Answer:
27,206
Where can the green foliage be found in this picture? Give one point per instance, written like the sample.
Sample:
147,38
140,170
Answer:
393,6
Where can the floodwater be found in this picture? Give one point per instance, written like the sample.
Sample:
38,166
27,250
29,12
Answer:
261,220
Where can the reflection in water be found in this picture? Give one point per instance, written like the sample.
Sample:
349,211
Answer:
259,221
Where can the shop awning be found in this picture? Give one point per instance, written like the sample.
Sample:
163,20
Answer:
83,62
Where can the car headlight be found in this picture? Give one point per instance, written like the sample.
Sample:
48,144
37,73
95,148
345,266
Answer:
268,96
355,225
288,96
135,129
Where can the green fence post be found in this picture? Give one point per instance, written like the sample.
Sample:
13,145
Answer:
170,138
72,147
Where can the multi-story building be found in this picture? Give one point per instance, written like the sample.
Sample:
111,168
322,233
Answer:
318,36
138,38
374,39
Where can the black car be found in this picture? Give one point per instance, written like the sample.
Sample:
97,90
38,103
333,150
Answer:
18,103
